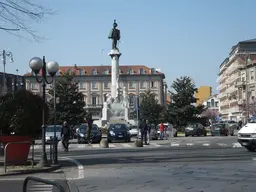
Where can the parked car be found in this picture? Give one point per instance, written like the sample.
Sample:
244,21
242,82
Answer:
233,124
49,132
168,132
195,129
82,134
247,136
219,129
133,130
153,133
118,132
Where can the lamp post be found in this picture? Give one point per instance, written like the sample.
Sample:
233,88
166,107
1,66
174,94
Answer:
37,64
5,54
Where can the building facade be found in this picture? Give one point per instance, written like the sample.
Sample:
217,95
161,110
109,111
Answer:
212,103
13,82
95,83
202,94
237,81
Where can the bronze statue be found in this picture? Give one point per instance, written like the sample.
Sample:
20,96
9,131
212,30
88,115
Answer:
114,35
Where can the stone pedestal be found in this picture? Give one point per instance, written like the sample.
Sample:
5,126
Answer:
114,54
126,114
105,114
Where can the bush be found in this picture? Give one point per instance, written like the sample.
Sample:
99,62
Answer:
21,112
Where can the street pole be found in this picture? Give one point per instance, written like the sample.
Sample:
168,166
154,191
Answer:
55,157
247,87
37,65
4,55
137,115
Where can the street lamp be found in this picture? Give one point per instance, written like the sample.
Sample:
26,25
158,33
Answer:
37,64
5,54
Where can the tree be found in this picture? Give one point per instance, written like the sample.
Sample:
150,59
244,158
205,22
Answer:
21,112
210,114
17,15
70,102
149,107
182,109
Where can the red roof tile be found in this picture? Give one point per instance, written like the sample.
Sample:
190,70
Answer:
101,69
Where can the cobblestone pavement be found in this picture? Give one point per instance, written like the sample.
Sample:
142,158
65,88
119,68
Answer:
165,170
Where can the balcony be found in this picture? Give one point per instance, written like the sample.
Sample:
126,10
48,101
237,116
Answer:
99,106
240,84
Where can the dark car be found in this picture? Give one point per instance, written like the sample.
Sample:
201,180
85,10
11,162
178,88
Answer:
195,129
233,124
118,132
82,134
219,129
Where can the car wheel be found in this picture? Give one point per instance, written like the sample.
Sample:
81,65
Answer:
250,148
186,135
109,140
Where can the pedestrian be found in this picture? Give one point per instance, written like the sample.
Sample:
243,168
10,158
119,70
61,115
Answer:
65,134
148,132
89,129
145,132
161,129
141,127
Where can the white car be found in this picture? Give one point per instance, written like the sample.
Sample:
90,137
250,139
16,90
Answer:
133,130
246,136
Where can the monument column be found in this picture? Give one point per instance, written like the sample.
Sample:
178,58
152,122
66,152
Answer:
115,55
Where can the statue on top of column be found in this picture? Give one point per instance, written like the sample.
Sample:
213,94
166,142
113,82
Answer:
114,35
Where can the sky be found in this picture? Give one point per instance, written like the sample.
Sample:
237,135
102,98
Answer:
182,38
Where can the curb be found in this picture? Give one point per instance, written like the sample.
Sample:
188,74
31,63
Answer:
35,170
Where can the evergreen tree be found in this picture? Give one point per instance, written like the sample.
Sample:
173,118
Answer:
182,108
149,107
70,102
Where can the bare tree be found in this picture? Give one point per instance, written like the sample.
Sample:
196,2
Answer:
16,15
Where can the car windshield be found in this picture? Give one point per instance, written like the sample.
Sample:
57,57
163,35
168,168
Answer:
118,127
83,128
193,125
51,128
219,125
231,122
134,127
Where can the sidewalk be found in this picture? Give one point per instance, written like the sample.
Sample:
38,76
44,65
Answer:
25,169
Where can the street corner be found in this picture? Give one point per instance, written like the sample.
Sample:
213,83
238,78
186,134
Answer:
24,170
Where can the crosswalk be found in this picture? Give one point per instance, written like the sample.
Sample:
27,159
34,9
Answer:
77,146
232,145
40,187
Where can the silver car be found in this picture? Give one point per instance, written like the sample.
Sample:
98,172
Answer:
49,132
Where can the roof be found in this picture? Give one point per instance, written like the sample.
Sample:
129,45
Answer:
88,70
248,41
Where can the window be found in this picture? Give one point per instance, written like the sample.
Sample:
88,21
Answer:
70,72
106,72
252,75
212,102
82,72
105,97
131,99
153,85
142,84
131,85
130,71
82,85
34,86
94,85
142,71
94,100
106,85
216,104
94,72
208,104
153,70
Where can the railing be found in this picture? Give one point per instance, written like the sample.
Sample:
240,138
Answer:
21,142
47,182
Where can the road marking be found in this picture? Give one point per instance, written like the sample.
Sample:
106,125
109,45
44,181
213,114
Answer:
96,145
206,144
190,144
80,167
222,144
155,144
41,187
126,145
175,144
112,145
236,145
81,146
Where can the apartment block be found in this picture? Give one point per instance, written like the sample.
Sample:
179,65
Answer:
236,73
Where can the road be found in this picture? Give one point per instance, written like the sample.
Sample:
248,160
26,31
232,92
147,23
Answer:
179,168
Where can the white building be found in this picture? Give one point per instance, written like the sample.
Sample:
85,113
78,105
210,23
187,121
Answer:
212,103
232,80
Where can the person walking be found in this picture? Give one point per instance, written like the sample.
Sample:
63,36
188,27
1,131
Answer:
65,134
148,132
89,129
161,129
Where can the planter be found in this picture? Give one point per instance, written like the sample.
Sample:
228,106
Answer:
16,153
